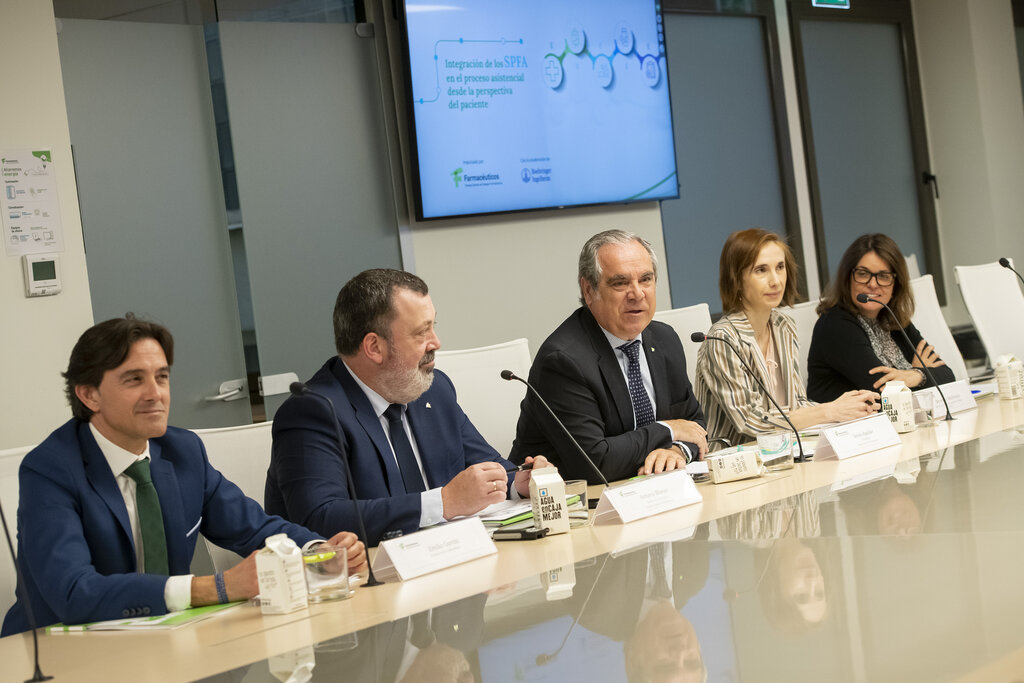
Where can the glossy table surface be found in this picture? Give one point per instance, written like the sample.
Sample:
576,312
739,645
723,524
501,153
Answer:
902,565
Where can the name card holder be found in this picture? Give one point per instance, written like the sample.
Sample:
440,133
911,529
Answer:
427,551
856,437
645,497
958,396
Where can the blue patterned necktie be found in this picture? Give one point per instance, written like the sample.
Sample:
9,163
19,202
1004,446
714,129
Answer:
642,408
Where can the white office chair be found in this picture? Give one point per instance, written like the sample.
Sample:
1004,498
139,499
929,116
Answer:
931,324
913,269
491,403
242,454
10,460
805,316
686,321
994,300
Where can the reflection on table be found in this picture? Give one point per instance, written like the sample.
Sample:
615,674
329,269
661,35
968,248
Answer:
908,575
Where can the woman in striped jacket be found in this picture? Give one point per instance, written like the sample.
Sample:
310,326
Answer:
757,275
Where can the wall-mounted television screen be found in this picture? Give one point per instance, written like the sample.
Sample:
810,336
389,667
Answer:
531,104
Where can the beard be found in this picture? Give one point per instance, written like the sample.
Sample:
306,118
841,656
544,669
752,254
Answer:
405,385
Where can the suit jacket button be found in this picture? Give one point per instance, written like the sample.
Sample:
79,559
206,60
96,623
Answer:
145,611
125,613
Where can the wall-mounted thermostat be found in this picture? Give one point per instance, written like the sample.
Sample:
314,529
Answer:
42,274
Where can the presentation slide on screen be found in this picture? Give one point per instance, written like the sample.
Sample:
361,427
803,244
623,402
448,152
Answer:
539,103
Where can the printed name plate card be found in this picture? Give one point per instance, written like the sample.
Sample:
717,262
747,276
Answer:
856,437
646,496
958,396
427,551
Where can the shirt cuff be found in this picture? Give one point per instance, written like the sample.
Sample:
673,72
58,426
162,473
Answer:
671,434
685,449
178,592
431,508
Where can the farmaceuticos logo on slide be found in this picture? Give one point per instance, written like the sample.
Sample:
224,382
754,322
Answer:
463,179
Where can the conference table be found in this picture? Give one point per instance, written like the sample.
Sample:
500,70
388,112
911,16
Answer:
902,564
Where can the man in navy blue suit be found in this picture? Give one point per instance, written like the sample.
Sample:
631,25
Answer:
112,502
416,458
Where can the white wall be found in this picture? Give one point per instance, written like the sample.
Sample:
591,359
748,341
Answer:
972,98
505,278
37,334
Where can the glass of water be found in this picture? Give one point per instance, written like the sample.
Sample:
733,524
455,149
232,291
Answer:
776,450
326,572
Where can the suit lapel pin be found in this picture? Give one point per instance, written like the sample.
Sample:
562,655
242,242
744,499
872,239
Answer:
428,405
652,349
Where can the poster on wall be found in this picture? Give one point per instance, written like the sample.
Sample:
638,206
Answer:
31,211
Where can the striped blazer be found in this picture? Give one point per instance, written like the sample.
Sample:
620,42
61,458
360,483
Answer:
734,405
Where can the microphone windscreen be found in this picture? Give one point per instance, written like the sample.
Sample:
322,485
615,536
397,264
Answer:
297,388
507,374
1004,262
697,337
863,298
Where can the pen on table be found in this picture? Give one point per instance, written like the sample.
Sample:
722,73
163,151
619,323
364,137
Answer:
525,466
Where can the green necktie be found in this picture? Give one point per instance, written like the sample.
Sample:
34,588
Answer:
151,522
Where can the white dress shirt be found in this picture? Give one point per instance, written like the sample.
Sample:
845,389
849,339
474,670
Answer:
178,589
431,504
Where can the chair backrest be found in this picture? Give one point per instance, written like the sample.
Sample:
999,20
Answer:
686,321
242,455
931,324
994,300
913,269
10,460
805,316
491,404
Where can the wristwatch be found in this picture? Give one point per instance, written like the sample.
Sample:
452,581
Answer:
684,450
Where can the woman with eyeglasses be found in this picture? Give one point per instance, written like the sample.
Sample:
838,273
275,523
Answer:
757,274
858,345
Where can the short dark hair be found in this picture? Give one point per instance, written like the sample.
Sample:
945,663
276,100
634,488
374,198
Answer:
366,304
103,347
838,291
739,253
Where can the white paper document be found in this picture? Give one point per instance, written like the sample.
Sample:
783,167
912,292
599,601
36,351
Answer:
29,203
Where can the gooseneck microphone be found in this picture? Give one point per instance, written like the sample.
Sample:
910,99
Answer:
1005,263
19,585
300,389
699,337
508,375
864,298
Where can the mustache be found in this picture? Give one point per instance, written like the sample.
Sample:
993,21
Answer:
428,357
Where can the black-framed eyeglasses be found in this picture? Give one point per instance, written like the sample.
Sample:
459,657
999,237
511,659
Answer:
884,278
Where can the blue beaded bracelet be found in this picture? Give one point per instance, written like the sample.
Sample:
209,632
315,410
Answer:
222,591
